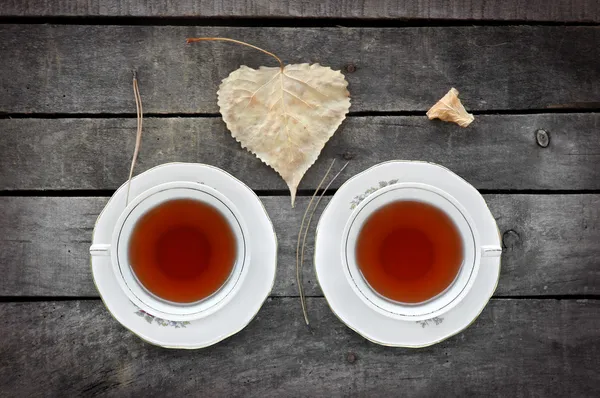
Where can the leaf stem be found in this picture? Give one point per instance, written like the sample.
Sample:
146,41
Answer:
196,39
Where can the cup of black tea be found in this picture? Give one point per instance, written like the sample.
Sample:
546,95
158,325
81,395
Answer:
411,251
179,251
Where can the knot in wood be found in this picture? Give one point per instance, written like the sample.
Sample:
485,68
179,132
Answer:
542,137
510,239
348,155
350,68
351,357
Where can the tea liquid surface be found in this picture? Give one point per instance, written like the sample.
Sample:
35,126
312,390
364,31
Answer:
183,250
409,251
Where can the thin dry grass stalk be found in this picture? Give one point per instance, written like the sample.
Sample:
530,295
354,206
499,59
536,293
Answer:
138,136
298,266
300,263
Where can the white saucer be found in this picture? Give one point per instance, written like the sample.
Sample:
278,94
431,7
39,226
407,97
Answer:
234,316
343,300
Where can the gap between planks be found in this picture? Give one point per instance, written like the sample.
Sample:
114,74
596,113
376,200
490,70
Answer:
106,193
593,108
33,299
277,22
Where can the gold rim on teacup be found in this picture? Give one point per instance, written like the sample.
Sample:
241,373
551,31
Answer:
135,291
472,249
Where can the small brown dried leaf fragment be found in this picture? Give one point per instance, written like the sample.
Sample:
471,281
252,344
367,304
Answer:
450,109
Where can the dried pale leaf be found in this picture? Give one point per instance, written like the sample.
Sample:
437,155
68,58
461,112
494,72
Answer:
450,109
284,115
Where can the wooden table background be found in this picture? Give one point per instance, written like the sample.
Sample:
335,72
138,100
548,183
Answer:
67,132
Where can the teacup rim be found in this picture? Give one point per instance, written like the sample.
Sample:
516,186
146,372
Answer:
187,316
474,267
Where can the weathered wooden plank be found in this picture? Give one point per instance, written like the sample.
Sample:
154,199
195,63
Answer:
70,68
495,152
514,10
516,348
551,245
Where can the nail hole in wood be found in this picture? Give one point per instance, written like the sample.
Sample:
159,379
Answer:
542,137
351,357
348,155
510,239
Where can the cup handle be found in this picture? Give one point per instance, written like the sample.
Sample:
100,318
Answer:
491,251
100,250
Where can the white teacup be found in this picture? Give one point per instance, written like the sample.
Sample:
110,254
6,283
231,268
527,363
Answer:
119,247
472,251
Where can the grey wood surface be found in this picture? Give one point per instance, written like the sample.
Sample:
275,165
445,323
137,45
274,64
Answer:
74,69
516,348
551,245
67,122
96,153
513,10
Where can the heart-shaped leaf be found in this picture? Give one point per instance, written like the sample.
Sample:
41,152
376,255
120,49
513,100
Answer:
284,115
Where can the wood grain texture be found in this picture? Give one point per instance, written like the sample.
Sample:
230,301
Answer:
514,10
74,69
495,152
517,348
550,245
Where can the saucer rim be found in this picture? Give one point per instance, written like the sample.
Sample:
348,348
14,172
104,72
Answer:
152,341
372,340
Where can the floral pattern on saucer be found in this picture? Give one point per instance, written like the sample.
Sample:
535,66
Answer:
345,302
231,318
359,198
433,321
159,321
